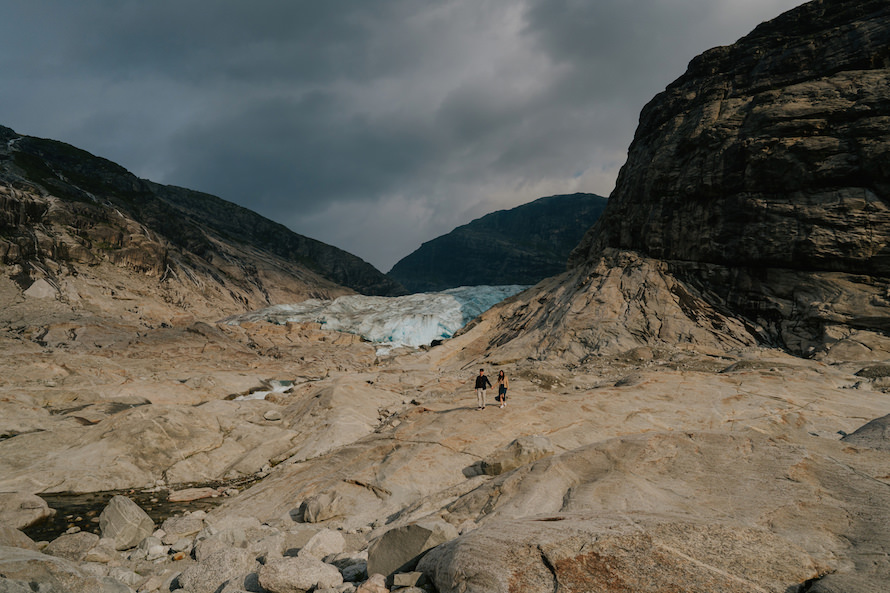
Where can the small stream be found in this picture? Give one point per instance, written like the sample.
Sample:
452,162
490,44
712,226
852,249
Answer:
83,510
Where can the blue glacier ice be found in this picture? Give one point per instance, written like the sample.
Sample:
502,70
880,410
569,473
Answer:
412,320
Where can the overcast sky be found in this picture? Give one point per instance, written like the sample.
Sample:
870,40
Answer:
372,125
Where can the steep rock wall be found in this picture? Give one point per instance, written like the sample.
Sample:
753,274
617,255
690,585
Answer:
762,176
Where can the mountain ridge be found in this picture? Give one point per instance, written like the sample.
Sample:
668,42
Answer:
64,211
77,175
521,245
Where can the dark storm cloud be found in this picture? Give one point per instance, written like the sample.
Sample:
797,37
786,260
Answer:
373,126
199,41
313,150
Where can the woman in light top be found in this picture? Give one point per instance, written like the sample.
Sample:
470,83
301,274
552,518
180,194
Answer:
503,385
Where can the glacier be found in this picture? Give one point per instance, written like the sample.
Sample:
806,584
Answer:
412,320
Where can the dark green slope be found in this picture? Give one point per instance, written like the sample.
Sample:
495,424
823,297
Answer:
519,246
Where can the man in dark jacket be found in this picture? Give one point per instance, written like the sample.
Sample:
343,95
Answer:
482,383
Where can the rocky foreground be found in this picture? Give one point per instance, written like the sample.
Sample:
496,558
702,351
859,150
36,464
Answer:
639,470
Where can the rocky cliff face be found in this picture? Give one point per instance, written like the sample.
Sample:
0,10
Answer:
522,245
754,206
762,176
69,220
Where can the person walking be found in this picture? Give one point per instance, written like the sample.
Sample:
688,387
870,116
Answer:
503,386
482,383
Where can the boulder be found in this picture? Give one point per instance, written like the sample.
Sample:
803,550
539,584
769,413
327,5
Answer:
268,546
21,509
298,575
376,583
183,544
104,552
126,576
248,583
153,548
408,579
10,536
215,569
321,507
190,494
222,541
352,565
353,573
324,543
875,434
14,586
523,450
51,573
125,522
240,523
163,580
296,537
399,549
73,546
183,526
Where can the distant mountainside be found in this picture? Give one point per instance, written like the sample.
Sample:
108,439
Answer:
519,246
63,212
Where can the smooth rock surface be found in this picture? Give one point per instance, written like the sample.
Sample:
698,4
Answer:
681,475
375,584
